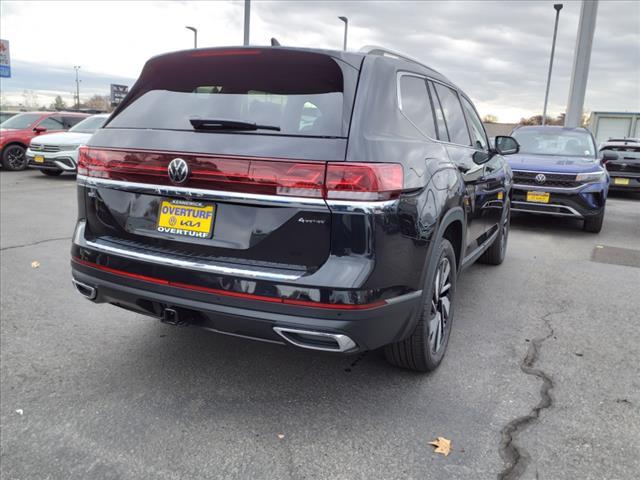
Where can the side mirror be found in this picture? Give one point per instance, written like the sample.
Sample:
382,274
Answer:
39,129
506,145
481,157
608,155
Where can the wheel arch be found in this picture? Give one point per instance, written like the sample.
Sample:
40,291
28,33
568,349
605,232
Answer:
452,228
10,144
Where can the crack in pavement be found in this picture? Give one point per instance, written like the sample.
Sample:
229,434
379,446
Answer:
516,457
34,243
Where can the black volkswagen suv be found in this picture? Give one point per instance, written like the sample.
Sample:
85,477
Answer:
322,199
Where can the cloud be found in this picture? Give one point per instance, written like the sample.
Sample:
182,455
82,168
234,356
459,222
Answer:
497,51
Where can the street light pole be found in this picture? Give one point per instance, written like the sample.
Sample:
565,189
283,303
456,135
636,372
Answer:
346,26
581,59
557,7
195,35
76,68
247,18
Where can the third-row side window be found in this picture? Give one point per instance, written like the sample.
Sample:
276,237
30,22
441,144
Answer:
415,104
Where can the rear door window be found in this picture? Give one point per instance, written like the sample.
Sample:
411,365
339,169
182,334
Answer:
453,115
415,104
441,125
300,93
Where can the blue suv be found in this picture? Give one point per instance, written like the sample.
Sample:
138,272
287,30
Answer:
557,171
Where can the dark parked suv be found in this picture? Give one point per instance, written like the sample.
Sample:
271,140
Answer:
317,198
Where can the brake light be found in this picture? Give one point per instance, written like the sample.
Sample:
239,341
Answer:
340,180
225,53
364,181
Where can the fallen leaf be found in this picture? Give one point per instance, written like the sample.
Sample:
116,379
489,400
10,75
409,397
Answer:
281,436
35,264
442,445
19,411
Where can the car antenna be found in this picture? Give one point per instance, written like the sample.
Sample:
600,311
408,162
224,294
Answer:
275,42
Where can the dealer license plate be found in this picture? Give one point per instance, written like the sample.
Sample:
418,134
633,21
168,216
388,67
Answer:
190,219
538,197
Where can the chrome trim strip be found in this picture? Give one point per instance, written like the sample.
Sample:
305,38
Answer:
549,173
179,263
572,211
213,195
403,298
355,206
215,330
543,188
64,166
344,342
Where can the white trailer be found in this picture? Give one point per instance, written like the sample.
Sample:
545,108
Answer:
606,125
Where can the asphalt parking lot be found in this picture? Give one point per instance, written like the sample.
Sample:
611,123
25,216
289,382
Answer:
96,392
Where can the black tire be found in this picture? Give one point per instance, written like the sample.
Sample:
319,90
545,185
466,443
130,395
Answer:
494,255
424,349
14,157
594,224
52,173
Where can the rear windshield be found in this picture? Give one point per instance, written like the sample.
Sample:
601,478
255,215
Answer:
291,92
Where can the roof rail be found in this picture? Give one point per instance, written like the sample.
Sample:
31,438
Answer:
385,52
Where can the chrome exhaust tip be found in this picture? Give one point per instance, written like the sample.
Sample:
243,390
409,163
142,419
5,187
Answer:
85,290
326,342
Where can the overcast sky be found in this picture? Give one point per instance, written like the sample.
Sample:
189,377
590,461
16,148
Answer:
498,52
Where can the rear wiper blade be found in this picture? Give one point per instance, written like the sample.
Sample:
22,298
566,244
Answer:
220,124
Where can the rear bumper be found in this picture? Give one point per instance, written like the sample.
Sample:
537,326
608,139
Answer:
586,202
368,328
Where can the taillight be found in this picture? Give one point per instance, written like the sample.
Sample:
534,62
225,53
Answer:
364,181
340,180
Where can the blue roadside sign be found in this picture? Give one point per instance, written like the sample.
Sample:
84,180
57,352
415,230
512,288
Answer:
5,59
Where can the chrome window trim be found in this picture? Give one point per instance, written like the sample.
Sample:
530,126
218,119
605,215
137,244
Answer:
431,79
203,194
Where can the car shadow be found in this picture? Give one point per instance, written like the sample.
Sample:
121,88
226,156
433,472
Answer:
624,195
533,222
65,177
189,368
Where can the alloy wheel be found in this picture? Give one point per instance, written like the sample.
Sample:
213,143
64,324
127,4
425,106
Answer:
16,158
440,306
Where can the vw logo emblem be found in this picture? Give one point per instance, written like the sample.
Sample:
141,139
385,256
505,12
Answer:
541,178
178,171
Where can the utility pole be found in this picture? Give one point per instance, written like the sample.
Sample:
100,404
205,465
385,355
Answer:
77,67
346,27
557,7
195,35
247,18
581,59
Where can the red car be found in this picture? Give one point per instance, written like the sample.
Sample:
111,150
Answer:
17,132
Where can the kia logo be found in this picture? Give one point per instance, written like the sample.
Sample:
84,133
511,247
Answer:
178,171
541,178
